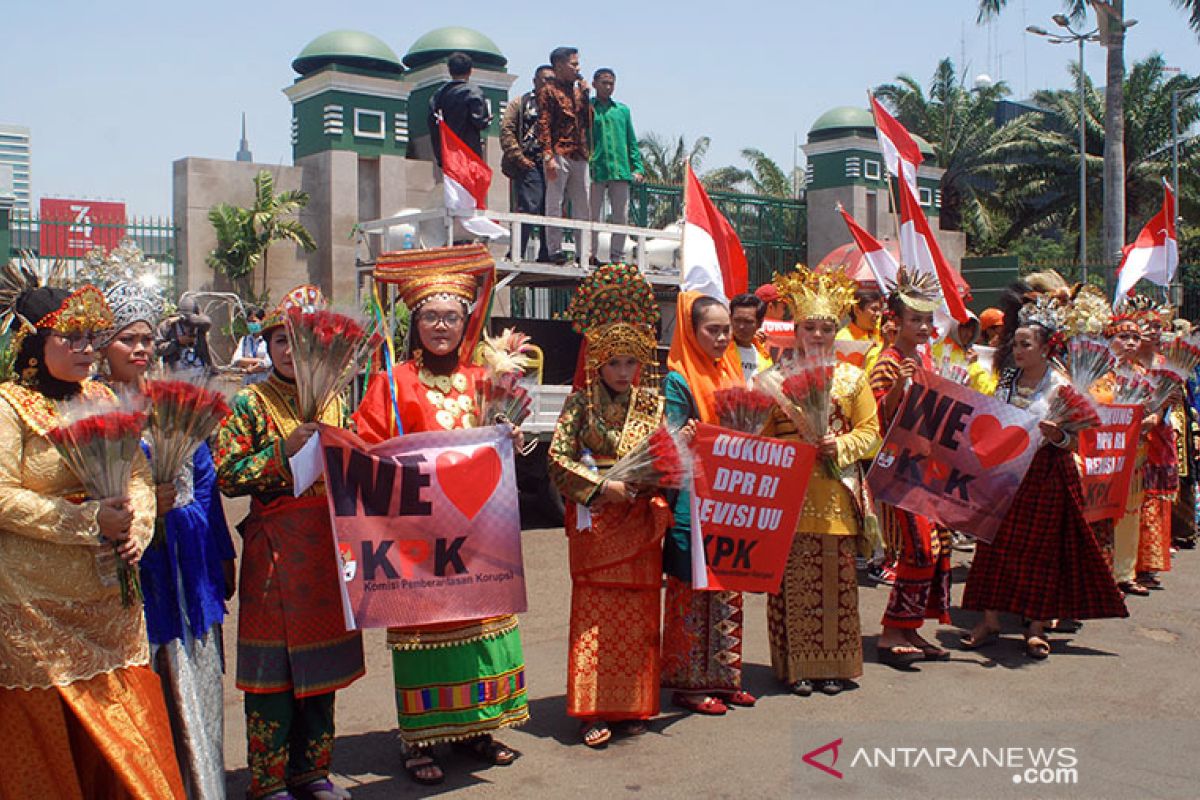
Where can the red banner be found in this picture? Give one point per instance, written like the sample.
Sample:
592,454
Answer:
748,494
781,339
1106,460
954,455
427,526
70,228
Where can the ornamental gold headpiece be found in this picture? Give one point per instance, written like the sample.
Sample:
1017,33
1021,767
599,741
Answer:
83,311
1088,313
817,295
420,275
1148,312
615,310
920,291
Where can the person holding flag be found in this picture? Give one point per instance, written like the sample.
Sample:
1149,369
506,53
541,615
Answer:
922,582
702,630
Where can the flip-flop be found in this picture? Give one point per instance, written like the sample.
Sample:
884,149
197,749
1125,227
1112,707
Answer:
315,790
892,657
969,642
595,734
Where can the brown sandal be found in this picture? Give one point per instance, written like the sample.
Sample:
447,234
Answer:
595,733
488,750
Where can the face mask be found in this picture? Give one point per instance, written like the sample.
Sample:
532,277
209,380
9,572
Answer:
255,327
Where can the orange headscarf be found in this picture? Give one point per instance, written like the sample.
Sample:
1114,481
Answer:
704,376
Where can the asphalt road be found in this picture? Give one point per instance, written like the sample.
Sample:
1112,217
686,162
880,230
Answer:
1122,695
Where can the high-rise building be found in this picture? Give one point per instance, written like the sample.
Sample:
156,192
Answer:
15,151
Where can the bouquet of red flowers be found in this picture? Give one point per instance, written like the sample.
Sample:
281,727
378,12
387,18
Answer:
1166,383
327,348
662,459
184,412
1071,410
1088,360
803,388
99,440
1182,353
744,410
499,396
1129,388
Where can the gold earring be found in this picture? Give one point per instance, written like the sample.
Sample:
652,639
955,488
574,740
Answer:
29,374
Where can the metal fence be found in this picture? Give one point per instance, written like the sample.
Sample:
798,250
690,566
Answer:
49,240
773,230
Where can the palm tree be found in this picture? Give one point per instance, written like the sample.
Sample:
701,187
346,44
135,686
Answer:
991,172
1110,16
245,235
664,161
1147,126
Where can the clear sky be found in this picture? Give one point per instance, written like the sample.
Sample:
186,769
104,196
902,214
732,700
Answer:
114,92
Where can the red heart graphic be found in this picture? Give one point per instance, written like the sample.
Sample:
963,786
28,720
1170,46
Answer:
994,444
469,481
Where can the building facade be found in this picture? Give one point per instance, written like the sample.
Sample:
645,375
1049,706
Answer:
16,152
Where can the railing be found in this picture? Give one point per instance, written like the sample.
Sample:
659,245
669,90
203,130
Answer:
51,239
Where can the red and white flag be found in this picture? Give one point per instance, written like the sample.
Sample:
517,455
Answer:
900,151
714,263
1154,254
883,265
920,251
466,180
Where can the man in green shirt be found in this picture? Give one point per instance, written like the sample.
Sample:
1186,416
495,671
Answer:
616,161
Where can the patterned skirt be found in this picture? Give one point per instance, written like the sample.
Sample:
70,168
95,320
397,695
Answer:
107,736
813,621
702,639
457,682
1045,562
613,663
922,587
1154,537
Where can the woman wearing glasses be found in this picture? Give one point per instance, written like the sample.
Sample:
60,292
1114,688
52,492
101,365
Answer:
82,713
458,681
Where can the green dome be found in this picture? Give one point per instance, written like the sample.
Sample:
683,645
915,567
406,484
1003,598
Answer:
440,43
352,48
842,118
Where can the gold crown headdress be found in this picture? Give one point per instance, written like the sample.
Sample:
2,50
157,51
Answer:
817,295
615,311
1088,314
920,291
305,297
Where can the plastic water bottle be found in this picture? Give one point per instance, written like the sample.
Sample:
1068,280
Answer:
409,241
106,565
583,514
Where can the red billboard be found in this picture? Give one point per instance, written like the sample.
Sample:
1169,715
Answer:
70,228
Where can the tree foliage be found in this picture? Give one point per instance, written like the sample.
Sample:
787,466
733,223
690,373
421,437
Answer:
245,235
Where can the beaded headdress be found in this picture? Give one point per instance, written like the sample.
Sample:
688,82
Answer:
1147,312
130,303
920,291
84,310
615,311
305,297
817,295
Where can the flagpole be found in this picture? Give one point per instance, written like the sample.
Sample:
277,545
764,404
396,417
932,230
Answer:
888,180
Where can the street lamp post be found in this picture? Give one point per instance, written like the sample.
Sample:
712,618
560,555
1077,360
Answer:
1073,36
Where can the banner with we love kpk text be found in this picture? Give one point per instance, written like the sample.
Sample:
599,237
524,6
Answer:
954,455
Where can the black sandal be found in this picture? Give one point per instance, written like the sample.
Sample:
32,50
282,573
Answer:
488,750
802,688
894,658
420,760
830,687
